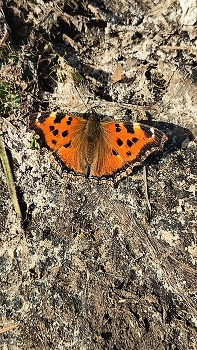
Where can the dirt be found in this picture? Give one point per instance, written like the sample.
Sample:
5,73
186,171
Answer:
89,266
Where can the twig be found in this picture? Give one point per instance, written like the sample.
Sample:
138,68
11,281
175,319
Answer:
146,191
3,330
8,173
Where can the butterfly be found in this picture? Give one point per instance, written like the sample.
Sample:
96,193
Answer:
101,150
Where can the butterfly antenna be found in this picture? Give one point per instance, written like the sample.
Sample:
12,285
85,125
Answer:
76,88
80,96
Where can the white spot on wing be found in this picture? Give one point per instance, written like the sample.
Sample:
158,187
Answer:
153,131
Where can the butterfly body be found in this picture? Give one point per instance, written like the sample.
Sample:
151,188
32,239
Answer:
98,149
91,139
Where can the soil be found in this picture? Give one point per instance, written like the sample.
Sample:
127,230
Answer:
90,266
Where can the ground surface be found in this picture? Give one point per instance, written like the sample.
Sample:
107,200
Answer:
89,268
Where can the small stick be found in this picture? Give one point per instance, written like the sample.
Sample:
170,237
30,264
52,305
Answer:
3,330
146,190
8,173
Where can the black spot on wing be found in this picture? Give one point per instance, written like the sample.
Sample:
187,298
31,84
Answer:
115,153
55,132
64,133
129,128
129,143
119,142
69,121
132,141
54,142
51,127
67,144
58,118
118,128
128,153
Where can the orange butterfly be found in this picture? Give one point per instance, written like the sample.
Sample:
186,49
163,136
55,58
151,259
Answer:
103,150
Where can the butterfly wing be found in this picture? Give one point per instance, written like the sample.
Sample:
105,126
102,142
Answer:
125,145
64,135
102,150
